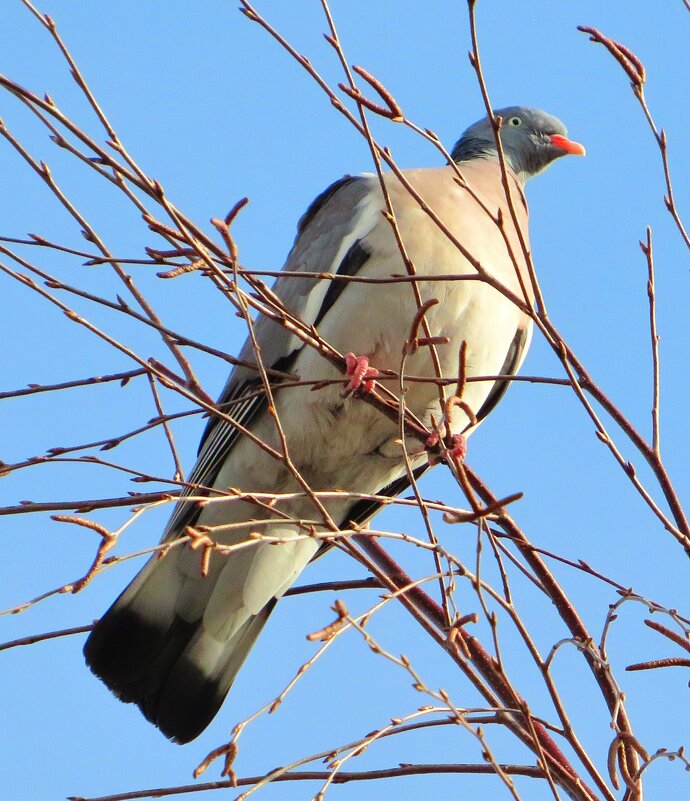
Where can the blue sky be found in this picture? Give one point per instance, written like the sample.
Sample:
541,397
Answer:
213,108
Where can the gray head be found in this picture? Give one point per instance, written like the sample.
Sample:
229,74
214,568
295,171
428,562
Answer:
531,140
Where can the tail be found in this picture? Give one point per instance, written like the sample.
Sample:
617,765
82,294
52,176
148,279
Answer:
176,671
173,642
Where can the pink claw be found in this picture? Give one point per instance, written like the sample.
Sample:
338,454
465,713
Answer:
433,439
359,373
459,449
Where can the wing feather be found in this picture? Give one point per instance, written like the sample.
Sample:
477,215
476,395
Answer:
511,365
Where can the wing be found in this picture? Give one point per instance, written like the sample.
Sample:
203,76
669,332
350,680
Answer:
327,241
514,358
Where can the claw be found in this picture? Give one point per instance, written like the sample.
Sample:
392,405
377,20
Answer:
459,449
433,439
455,448
359,373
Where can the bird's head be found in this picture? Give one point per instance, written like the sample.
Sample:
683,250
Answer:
531,140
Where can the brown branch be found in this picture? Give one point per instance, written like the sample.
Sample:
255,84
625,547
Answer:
651,294
107,543
673,661
319,775
33,389
630,63
89,504
635,70
179,472
48,635
683,642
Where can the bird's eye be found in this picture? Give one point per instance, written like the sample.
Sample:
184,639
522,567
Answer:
515,121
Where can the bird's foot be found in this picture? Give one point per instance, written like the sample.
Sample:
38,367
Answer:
459,449
359,373
433,439
455,446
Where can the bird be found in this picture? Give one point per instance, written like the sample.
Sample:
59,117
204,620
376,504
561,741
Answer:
175,639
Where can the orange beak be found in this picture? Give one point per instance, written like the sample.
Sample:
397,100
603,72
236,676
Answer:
570,147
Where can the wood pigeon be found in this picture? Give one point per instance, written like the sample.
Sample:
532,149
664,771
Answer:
175,639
